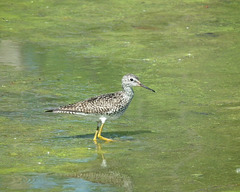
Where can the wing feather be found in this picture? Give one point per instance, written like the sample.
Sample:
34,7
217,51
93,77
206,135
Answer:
104,104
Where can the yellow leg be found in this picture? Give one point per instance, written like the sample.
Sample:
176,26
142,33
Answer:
95,136
100,132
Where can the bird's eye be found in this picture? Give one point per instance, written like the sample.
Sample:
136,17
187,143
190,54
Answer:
131,79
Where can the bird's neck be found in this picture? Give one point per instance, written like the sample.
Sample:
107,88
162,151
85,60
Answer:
129,91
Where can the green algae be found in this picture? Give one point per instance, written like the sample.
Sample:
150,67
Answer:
183,138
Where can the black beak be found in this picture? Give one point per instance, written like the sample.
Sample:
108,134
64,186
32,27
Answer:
146,87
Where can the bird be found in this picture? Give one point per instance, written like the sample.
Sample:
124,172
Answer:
106,106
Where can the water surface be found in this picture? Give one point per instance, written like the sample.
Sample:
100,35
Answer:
185,137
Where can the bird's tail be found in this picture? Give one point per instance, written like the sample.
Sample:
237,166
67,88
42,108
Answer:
50,110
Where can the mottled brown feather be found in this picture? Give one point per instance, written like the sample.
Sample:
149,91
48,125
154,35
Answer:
108,104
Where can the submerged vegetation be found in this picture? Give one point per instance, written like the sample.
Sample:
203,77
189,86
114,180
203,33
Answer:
183,138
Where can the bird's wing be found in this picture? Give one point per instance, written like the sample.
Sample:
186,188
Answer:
103,104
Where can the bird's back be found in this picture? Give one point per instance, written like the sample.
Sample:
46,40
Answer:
107,104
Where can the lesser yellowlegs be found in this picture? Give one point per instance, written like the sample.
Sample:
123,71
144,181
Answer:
103,107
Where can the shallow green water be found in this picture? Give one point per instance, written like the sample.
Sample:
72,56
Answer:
185,137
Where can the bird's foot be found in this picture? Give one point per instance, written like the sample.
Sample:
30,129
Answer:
105,139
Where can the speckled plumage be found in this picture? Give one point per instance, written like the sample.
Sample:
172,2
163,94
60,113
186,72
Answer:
112,105
105,106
